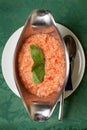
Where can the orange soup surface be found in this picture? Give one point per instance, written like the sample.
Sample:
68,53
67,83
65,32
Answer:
55,66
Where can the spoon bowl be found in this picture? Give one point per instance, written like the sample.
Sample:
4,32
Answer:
71,46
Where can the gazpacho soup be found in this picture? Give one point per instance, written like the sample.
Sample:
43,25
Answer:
42,64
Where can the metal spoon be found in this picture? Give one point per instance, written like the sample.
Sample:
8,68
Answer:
71,47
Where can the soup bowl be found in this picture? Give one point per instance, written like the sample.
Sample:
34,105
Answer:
40,99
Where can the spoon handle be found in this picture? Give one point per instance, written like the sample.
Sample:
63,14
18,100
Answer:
69,82
60,116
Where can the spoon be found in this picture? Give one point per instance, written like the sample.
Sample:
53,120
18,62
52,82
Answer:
71,47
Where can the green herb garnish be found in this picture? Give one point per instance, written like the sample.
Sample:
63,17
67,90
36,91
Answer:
38,68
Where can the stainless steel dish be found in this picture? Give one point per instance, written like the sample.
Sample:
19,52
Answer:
39,109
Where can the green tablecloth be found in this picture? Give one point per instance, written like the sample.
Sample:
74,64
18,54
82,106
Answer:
71,13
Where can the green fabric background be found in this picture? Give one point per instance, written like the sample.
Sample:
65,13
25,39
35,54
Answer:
71,13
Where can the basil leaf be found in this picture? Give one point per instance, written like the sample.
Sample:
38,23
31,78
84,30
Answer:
38,69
